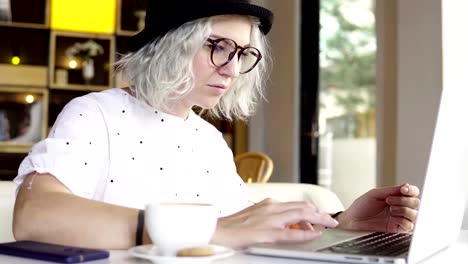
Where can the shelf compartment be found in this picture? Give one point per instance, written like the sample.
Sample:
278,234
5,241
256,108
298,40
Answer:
23,115
63,76
130,16
30,45
25,12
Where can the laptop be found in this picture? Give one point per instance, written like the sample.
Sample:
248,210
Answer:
443,197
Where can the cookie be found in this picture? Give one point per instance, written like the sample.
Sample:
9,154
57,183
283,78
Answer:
196,252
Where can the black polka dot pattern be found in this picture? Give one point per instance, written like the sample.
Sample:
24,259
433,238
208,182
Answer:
149,151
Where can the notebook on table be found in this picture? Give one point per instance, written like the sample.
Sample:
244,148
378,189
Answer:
440,214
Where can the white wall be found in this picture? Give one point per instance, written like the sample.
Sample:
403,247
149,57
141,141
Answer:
274,128
428,33
419,84
386,92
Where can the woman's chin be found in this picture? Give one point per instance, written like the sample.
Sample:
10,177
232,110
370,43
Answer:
209,105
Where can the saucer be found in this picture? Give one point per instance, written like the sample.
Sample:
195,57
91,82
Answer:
150,252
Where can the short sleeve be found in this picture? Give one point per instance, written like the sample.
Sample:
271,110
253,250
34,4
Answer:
76,150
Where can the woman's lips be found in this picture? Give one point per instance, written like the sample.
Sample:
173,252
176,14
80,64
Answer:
219,88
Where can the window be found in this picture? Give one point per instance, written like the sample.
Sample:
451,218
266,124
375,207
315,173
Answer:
347,97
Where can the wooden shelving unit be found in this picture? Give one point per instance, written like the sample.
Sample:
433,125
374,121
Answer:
44,72
23,87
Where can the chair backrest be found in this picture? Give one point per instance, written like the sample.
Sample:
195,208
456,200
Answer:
323,198
7,202
254,166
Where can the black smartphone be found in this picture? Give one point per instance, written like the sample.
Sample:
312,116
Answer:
51,252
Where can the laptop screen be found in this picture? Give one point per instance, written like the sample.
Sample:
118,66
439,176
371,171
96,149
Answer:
444,192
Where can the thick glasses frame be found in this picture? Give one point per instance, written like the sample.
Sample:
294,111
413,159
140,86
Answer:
214,43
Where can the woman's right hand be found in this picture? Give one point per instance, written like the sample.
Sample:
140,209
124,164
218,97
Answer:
268,221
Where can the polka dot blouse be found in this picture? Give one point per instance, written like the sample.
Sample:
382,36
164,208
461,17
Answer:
110,147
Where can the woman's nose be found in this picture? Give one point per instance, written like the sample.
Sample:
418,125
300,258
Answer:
232,69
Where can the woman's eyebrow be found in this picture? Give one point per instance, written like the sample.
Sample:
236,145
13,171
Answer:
214,36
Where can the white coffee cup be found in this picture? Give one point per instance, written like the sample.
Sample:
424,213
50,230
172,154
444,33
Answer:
174,226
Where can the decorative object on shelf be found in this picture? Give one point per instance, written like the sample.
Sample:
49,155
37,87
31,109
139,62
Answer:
140,14
5,10
61,76
4,126
88,70
85,52
32,132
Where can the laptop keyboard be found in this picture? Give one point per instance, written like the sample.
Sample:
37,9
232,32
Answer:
377,243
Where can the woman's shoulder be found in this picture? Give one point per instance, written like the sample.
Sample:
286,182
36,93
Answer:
108,95
99,100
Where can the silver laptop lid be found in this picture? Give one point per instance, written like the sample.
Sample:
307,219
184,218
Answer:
442,200
444,192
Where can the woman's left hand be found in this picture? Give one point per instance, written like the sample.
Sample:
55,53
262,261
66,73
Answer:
388,209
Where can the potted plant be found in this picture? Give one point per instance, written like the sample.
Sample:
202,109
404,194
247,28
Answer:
85,52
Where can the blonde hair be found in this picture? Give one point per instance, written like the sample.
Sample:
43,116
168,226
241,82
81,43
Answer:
161,71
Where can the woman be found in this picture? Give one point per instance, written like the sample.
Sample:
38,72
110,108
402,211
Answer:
84,187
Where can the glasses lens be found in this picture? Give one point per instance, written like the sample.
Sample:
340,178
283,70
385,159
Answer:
248,58
223,52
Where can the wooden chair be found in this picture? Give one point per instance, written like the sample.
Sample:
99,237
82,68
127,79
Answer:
254,166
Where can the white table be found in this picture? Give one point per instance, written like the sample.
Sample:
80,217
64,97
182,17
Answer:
454,254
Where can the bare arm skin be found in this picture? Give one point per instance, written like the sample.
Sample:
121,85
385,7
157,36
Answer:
49,212
45,210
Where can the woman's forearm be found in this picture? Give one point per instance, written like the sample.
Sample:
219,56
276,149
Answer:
48,212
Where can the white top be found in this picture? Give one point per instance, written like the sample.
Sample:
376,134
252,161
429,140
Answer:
110,147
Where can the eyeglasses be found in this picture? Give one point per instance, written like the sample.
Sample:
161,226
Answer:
224,49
